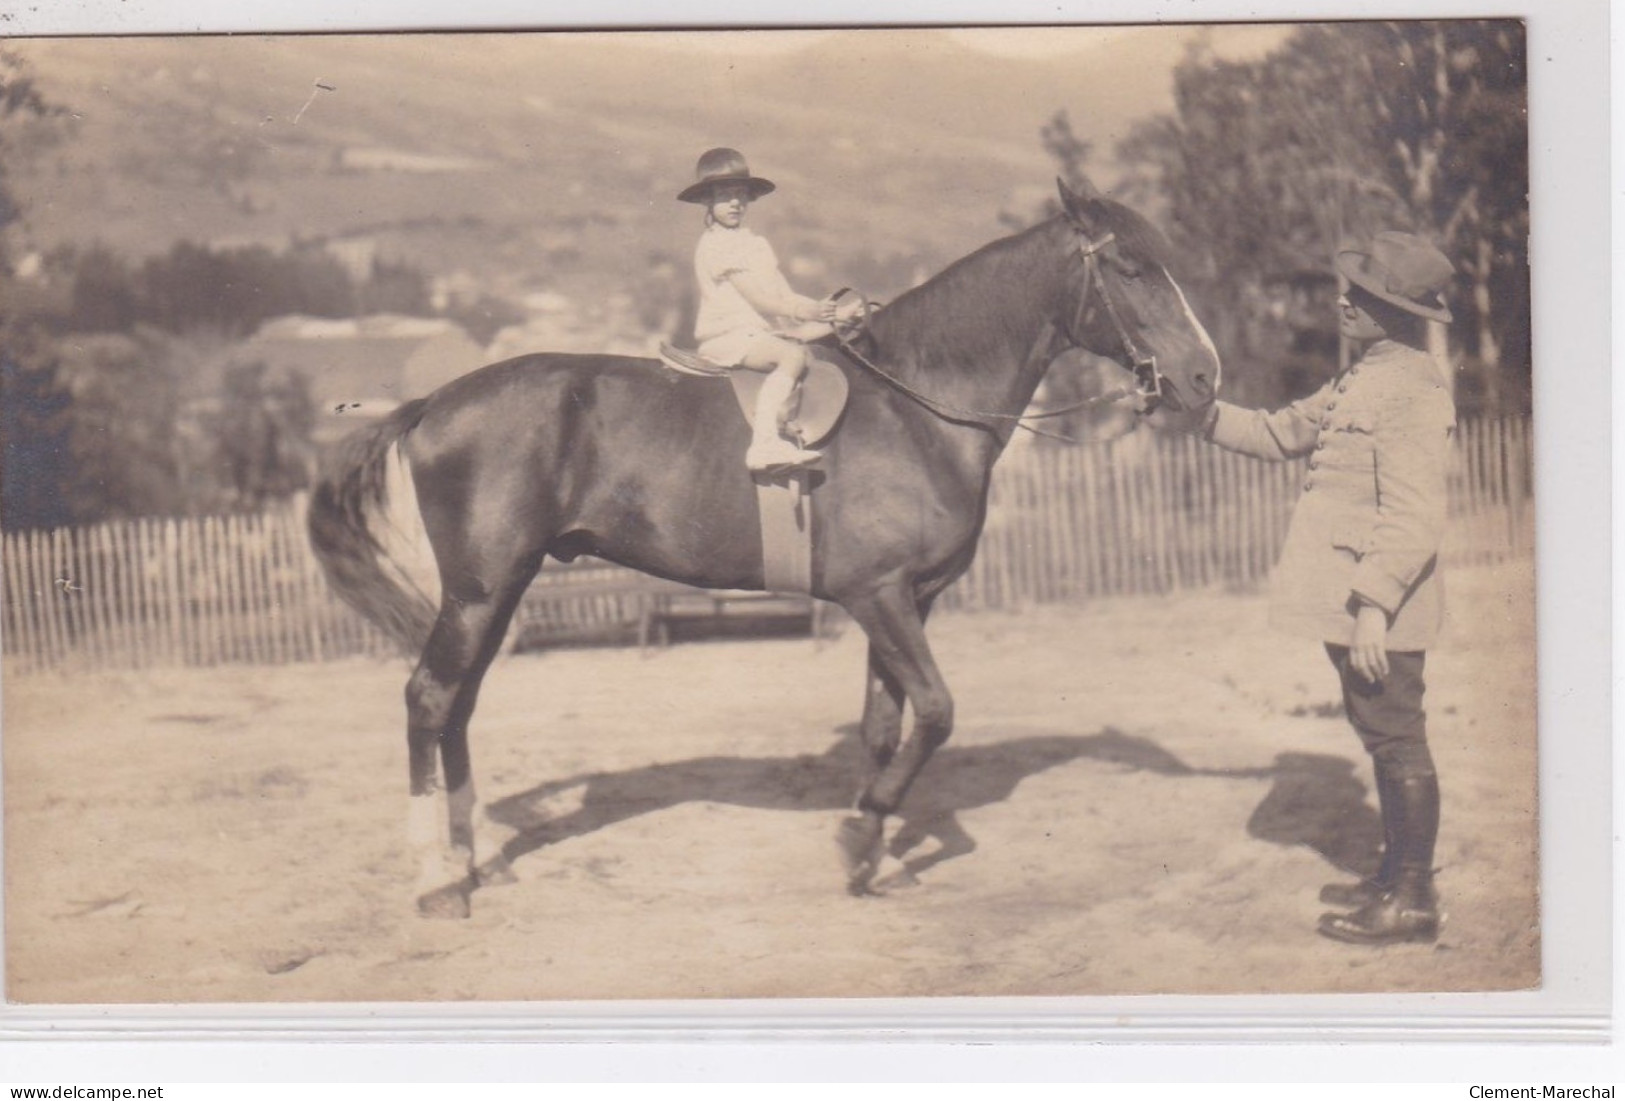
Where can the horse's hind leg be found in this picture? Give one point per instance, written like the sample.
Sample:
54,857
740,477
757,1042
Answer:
900,657
440,699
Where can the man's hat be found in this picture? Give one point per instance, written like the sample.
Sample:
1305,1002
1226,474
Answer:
722,166
1403,270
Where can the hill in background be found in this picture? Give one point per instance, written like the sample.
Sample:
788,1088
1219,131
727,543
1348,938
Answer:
523,163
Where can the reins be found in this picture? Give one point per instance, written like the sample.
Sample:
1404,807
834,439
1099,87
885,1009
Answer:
1145,366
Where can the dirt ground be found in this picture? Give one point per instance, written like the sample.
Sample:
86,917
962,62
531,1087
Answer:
1142,796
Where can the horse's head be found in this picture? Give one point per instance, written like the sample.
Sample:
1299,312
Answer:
1131,310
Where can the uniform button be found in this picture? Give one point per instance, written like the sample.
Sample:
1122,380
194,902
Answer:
1308,484
1314,464
1331,405
1342,387
1320,444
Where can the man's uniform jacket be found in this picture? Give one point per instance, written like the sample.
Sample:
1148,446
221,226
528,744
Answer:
1372,514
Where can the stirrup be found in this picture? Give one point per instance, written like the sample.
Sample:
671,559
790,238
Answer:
789,457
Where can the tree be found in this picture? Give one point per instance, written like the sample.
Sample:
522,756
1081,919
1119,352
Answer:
262,429
167,425
128,455
27,119
393,287
1451,98
35,461
196,288
140,413
1266,168
106,297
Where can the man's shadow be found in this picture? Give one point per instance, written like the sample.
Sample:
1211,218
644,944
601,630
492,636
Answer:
1314,800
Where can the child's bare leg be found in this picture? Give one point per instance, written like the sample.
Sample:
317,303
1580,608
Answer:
785,363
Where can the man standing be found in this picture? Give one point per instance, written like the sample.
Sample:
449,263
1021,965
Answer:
1359,569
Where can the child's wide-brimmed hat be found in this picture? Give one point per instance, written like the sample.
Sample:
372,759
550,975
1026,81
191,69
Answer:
719,166
1403,270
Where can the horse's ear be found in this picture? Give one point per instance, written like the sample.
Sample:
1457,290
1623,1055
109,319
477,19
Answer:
1077,203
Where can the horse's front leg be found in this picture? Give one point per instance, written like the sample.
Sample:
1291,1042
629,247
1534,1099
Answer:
862,839
901,667
882,717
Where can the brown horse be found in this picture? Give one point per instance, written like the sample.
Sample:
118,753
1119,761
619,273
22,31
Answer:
616,457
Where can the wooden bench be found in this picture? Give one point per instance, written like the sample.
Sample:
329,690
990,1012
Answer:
590,597
720,606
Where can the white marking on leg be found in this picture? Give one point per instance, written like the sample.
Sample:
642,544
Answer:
460,809
425,834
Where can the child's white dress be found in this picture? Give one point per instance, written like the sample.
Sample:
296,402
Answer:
727,323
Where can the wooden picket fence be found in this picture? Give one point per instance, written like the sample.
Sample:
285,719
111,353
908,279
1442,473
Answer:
1150,513
1155,513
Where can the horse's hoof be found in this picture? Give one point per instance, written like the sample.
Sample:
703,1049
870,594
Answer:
496,872
445,902
860,842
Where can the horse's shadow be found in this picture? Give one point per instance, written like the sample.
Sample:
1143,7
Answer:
1314,800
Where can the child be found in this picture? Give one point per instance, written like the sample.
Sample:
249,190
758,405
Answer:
741,289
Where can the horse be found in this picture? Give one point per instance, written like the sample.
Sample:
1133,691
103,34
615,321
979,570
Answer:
617,457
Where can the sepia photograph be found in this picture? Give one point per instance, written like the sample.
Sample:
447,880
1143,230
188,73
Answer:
628,516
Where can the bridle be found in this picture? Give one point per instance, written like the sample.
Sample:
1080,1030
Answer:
1148,379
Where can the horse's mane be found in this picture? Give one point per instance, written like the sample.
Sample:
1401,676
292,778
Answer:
972,297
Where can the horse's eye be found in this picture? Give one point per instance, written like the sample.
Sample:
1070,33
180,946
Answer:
1127,266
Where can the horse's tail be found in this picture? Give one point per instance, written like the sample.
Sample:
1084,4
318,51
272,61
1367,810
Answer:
357,525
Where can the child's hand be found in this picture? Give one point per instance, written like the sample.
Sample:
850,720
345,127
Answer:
854,309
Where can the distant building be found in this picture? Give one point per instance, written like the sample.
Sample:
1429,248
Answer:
362,368
31,267
357,254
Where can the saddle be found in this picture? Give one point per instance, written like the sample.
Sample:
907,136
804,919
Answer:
818,401
786,519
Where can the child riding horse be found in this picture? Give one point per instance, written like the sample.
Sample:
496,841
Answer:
741,287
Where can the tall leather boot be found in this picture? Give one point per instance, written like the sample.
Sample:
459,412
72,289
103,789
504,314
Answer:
1408,911
1354,895
769,450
